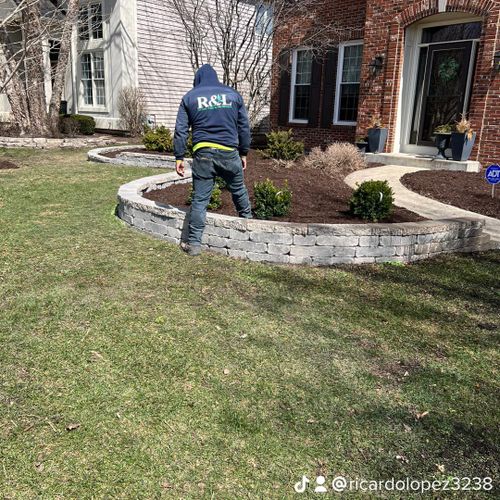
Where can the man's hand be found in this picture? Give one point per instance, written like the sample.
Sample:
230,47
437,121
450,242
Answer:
244,162
179,167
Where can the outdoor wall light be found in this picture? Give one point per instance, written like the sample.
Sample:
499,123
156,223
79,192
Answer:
377,64
497,61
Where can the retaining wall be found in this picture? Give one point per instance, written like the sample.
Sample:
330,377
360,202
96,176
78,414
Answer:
66,142
293,243
132,159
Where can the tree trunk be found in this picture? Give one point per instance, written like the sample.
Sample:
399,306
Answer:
35,69
62,65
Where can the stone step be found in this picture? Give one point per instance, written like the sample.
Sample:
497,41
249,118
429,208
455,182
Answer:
482,244
421,161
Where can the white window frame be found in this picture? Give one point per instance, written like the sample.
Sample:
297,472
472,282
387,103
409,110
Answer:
340,67
291,111
92,107
88,6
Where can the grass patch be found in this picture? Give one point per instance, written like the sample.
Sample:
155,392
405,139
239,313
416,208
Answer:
214,378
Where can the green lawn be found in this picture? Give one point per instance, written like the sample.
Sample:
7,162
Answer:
214,378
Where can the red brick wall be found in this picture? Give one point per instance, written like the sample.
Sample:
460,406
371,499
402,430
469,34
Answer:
295,32
384,24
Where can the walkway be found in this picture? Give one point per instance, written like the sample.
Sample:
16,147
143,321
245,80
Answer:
417,203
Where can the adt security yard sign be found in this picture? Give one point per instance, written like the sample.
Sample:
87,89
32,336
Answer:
493,177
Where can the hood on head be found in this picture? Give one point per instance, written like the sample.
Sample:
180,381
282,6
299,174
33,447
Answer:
206,75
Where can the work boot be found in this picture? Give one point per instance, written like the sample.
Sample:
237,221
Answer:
192,250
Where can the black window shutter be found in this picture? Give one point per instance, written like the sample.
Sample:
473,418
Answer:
284,87
330,78
315,91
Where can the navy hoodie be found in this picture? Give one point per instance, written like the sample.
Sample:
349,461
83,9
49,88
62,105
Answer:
215,112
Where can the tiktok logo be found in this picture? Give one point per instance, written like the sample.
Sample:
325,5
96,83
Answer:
301,486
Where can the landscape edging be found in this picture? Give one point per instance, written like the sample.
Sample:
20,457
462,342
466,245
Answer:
297,243
55,143
134,160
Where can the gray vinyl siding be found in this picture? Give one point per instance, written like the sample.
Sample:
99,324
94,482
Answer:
164,67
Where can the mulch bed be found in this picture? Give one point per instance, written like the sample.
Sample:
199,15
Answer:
6,165
316,197
466,190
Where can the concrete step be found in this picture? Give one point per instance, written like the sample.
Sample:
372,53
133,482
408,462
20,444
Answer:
421,161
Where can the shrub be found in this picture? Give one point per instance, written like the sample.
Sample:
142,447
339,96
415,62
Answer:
270,200
69,126
338,160
215,199
282,146
373,201
159,139
86,124
132,110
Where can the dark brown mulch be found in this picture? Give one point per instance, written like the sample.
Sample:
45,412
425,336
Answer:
316,197
6,164
466,190
114,154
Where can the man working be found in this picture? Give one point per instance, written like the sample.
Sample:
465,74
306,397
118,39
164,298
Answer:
221,137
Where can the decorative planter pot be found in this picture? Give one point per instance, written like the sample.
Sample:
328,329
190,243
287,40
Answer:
461,146
363,147
442,142
377,137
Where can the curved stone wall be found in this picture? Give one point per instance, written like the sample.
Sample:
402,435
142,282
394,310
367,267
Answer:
133,159
293,243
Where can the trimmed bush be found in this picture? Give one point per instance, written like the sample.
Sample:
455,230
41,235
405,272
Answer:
86,124
282,146
270,200
372,201
159,139
338,160
68,126
215,199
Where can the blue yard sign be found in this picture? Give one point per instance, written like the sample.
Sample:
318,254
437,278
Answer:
492,176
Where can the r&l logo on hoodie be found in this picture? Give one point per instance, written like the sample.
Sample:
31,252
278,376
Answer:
218,101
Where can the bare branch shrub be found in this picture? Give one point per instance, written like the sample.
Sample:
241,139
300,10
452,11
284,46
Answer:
132,110
338,160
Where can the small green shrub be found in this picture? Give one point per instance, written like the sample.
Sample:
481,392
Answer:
215,199
221,182
282,146
159,139
270,200
373,201
68,126
86,124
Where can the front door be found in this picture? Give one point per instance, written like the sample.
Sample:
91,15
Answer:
438,75
444,87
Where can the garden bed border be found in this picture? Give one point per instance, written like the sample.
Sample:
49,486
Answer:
55,143
133,159
297,243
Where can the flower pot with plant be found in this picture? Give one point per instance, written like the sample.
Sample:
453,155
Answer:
462,140
442,134
362,143
377,136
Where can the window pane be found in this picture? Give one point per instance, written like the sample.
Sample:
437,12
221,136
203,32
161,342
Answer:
351,69
304,67
96,20
301,108
264,19
100,92
88,97
98,66
83,23
452,32
348,102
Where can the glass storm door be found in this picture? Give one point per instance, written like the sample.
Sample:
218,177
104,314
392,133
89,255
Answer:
441,89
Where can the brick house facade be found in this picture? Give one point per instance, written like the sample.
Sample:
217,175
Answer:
411,63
